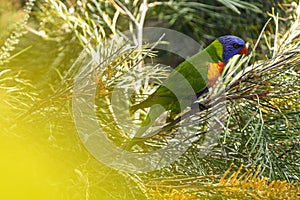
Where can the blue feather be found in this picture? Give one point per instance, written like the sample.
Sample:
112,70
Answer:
232,45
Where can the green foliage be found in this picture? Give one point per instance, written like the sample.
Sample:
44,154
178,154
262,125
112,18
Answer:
18,31
200,19
261,126
205,20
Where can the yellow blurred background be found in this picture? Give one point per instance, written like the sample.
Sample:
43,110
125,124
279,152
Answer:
41,155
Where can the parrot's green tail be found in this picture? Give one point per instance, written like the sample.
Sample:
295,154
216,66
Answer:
134,108
144,104
153,114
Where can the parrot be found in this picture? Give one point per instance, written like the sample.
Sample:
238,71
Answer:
189,80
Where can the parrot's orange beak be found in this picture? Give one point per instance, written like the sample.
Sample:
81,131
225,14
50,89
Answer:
244,51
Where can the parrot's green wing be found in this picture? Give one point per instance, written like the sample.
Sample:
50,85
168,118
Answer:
187,79
178,91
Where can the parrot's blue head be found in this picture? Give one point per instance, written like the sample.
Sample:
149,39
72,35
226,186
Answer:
232,45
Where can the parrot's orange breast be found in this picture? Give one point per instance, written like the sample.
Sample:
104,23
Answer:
214,71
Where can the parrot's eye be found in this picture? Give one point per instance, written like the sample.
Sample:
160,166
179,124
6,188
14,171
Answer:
235,45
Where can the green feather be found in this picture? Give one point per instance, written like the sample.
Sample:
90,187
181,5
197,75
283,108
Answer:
178,91
215,50
188,78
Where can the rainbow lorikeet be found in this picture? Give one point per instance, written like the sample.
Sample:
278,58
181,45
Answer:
190,78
